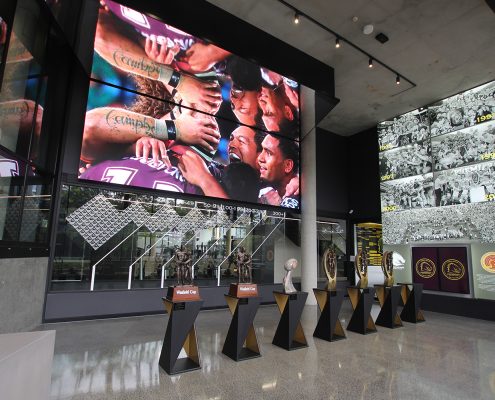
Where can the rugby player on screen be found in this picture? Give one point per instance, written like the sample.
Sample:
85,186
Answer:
279,164
246,154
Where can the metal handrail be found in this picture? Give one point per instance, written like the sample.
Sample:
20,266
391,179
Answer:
93,268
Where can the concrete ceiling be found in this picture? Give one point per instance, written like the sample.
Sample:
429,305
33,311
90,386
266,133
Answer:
444,46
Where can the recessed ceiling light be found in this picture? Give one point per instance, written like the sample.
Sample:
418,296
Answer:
368,29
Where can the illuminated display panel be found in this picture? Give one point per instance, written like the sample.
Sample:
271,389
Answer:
403,130
450,194
216,125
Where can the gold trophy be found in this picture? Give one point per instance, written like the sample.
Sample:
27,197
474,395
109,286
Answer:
330,265
361,266
388,268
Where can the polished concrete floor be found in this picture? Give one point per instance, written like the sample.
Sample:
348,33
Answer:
446,357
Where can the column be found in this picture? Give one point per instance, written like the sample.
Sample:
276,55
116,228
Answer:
309,249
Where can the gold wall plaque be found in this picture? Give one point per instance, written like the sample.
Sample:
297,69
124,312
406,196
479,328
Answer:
453,269
425,268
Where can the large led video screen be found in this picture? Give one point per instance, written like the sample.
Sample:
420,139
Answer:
169,111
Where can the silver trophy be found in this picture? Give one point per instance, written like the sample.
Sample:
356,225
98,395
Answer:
290,265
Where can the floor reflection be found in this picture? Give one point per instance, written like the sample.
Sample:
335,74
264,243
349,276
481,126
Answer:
446,357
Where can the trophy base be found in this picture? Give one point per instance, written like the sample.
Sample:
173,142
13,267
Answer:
243,290
183,293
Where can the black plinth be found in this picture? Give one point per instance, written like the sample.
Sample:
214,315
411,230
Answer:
289,334
362,301
180,333
329,302
241,342
389,298
411,297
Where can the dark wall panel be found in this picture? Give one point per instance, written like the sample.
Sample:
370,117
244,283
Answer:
332,177
472,308
364,181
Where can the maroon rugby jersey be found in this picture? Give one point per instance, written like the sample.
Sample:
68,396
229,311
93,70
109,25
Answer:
147,26
133,171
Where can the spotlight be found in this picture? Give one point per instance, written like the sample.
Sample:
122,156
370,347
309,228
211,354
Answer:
370,63
397,80
337,42
296,18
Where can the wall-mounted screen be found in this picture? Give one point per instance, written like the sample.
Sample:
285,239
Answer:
169,111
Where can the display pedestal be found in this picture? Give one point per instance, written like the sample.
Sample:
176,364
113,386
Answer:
362,301
180,333
241,342
289,334
329,302
389,297
411,297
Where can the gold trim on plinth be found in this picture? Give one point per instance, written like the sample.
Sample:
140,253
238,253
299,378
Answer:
397,320
381,294
251,342
404,293
371,324
281,299
232,303
191,346
321,297
299,334
339,330
420,316
168,305
353,296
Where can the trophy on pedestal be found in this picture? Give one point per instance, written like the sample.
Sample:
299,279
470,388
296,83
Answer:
244,287
290,265
289,334
241,342
388,268
361,266
330,266
184,289
182,305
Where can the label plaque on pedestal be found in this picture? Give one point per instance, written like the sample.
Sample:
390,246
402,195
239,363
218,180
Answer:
183,293
243,290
